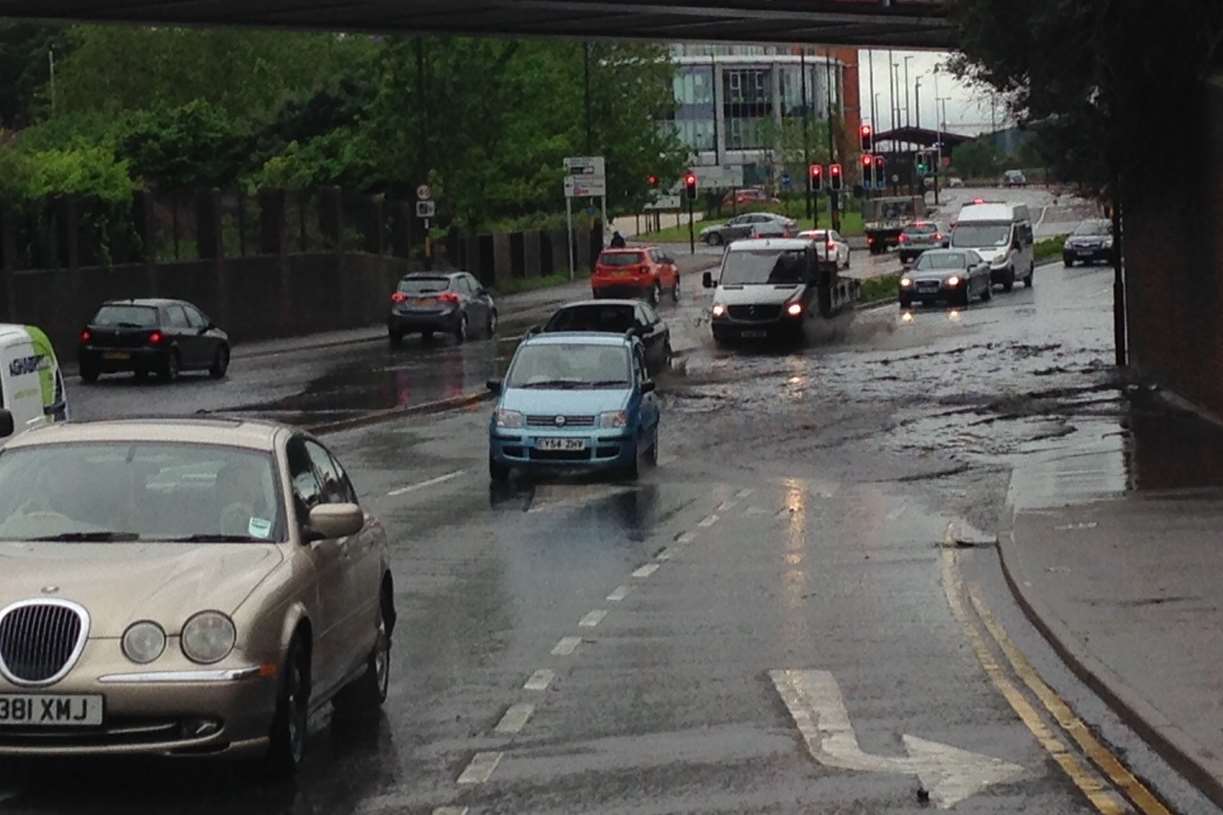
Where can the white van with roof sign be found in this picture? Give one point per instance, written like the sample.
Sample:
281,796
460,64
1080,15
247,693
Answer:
32,390
1002,235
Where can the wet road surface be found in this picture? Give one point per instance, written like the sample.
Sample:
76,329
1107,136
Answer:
768,622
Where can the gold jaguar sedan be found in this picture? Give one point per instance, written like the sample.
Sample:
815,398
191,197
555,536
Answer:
189,588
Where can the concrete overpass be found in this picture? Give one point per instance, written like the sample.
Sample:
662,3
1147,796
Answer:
879,23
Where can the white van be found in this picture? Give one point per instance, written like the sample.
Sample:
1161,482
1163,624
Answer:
1002,235
32,390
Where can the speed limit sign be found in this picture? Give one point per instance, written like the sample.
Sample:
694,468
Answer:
423,192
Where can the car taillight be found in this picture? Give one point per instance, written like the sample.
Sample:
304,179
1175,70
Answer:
832,247
904,238
399,297
156,338
448,297
86,335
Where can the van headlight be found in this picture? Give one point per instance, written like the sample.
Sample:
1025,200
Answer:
905,282
143,642
511,419
953,281
719,310
208,637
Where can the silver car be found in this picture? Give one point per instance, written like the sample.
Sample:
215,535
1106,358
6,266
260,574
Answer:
751,225
954,276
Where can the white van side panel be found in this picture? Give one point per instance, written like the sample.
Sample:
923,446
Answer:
19,363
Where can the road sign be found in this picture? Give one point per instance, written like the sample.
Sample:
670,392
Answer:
719,177
664,202
581,187
426,209
423,192
786,180
948,773
591,167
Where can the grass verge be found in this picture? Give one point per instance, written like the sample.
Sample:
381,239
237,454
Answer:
518,285
879,289
1048,248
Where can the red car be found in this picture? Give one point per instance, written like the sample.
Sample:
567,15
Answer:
645,272
746,197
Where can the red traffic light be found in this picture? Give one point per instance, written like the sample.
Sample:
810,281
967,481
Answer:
834,169
652,180
868,160
866,136
835,181
690,184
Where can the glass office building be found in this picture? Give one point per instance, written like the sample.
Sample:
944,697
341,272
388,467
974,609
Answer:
732,101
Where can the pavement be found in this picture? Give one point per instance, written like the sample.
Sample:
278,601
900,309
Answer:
801,609
1114,552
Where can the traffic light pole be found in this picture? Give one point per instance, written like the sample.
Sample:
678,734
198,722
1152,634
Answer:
691,228
812,209
833,202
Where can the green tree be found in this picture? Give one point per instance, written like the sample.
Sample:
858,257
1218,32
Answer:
246,73
192,146
978,158
1109,83
25,67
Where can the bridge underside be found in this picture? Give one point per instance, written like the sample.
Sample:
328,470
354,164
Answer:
880,23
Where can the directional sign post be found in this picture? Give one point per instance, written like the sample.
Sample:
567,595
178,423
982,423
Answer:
426,210
948,773
585,177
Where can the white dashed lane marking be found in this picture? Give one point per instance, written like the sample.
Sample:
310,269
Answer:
663,556
741,494
727,506
708,522
432,482
686,538
592,619
540,680
514,719
450,811
646,570
481,767
619,594
566,646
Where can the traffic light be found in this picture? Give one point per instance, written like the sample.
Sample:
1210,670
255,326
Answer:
923,163
866,136
690,185
816,172
652,180
835,181
868,168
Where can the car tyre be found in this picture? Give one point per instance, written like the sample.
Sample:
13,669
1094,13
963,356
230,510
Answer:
1009,283
366,693
1030,280
498,473
715,239
460,331
1067,261
988,294
631,471
492,323
651,455
169,367
289,726
220,363
675,291
89,373
906,302
656,294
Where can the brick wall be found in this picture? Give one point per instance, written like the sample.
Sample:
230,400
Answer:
1174,270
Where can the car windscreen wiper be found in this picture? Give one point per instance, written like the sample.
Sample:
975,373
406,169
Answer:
101,536
209,537
555,383
609,383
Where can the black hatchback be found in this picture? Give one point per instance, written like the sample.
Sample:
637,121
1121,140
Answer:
431,303
618,317
151,336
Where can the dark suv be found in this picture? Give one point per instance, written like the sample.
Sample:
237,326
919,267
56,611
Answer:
151,336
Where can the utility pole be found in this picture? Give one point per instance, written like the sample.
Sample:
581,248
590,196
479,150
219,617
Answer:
806,127
906,61
892,98
917,103
870,57
51,63
589,120
713,81
833,203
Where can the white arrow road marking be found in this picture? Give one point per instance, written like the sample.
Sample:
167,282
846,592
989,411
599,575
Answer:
948,773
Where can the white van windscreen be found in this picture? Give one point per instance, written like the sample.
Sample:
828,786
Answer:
977,235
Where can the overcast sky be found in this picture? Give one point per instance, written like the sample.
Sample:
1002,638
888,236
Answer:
968,108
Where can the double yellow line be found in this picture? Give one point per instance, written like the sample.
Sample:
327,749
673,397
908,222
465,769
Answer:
1113,789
